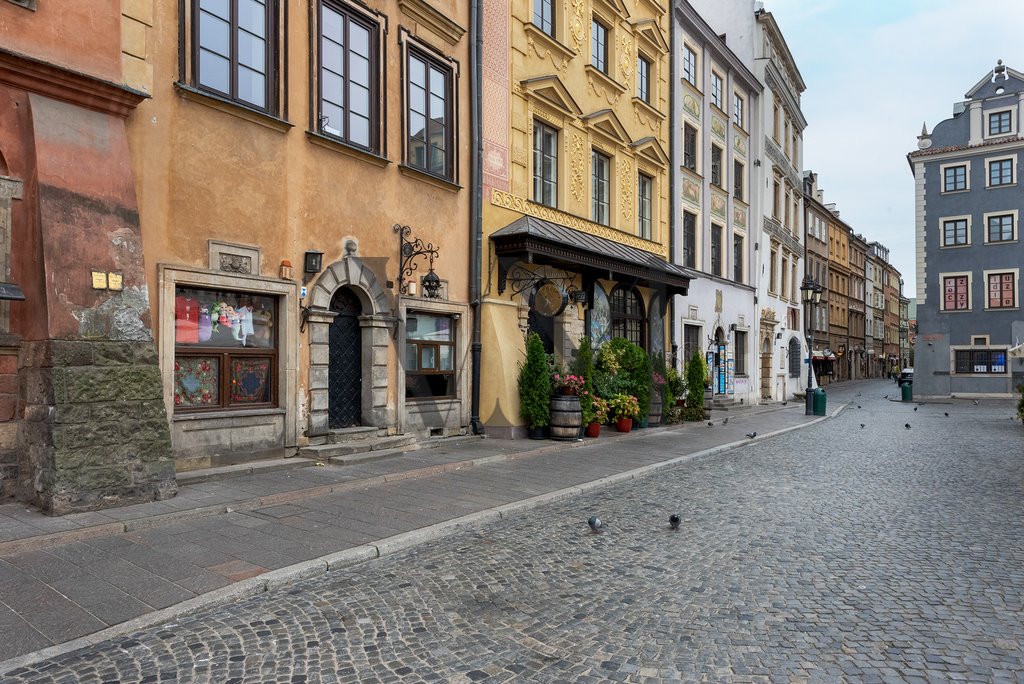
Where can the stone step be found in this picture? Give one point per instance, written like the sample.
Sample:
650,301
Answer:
333,452
352,434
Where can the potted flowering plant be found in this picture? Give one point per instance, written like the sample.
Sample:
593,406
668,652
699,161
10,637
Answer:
567,383
624,408
595,413
654,412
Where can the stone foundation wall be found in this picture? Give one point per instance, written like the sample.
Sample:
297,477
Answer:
11,411
95,431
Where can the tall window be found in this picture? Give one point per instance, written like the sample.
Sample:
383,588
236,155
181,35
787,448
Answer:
794,358
429,356
431,140
690,147
234,50
225,350
689,240
1000,228
740,352
956,293
1002,291
544,16
599,46
545,164
737,109
716,90
776,199
644,192
643,78
999,123
601,167
716,165
777,122
716,250
1000,172
773,271
348,76
690,65
737,179
627,315
954,178
954,233
738,252
691,342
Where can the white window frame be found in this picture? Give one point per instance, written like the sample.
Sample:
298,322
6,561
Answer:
1013,170
690,66
970,291
1009,212
1016,288
717,89
988,118
739,110
942,231
967,176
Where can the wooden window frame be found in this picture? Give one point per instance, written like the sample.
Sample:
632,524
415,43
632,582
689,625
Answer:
270,55
435,345
548,24
716,165
717,250
645,205
540,129
643,78
599,39
628,319
448,71
601,186
689,239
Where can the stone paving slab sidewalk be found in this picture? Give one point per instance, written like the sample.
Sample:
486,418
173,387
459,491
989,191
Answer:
66,582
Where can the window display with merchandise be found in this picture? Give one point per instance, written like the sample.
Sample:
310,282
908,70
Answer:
225,349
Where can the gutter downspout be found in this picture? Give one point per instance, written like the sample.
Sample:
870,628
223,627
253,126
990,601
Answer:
475,206
672,181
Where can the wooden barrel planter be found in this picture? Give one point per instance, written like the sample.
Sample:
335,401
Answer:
566,417
654,412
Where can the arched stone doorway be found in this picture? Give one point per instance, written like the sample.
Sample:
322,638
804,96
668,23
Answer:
766,367
345,368
362,292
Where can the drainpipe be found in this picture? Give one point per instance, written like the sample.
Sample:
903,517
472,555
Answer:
475,206
672,179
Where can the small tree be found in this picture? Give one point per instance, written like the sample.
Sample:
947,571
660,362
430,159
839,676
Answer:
696,379
535,384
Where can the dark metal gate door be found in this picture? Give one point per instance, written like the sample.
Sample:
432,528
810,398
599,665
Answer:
345,367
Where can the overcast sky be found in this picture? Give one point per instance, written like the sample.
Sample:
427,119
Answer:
875,70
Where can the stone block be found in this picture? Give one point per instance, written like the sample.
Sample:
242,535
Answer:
137,73
133,37
152,408
153,471
318,400
145,354
319,334
72,413
113,354
318,378
319,354
92,434
8,364
37,385
68,353
379,376
8,436
8,382
10,406
140,10
95,480
141,382
109,411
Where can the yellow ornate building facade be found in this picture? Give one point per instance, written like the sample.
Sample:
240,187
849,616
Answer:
576,175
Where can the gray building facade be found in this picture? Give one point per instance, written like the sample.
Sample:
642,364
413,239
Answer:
969,201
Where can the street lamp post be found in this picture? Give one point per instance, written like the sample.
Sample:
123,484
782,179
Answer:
810,293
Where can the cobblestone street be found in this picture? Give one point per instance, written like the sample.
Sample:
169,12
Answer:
852,550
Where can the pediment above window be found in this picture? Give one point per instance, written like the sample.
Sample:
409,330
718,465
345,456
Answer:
615,7
550,90
607,124
651,150
433,19
650,34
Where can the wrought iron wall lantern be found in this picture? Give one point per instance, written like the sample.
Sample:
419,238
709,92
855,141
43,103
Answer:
520,280
409,251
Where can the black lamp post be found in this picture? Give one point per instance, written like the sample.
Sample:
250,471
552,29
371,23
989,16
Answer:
810,293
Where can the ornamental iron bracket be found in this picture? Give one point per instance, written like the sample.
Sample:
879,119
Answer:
409,251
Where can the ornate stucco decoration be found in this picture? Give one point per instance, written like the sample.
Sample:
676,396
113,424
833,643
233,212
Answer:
739,144
691,106
576,31
626,174
576,167
435,20
739,217
718,127
718,204
691,192
626,59
559,62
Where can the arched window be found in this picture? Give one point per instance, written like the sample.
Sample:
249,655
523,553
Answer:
627,315
795,358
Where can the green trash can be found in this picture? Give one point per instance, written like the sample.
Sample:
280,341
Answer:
819,402
907,391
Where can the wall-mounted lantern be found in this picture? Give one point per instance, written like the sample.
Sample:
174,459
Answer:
408,251
312,263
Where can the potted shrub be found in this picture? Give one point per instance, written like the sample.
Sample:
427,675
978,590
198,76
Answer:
535,388
595,413
696,379
624,408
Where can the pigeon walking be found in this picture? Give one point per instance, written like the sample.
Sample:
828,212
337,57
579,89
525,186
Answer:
725,422
946,413
596,525
862,426
976,402
915,408
710,424
784,403
751,435
906,425
858,405
674,520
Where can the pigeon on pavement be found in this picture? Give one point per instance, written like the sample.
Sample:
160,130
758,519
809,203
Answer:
710,424
946,413
784,403
976,402
674,520
751,435
595,523
907,425
915,408
725,422
862,426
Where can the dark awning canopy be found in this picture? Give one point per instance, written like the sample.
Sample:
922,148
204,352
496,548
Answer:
533,240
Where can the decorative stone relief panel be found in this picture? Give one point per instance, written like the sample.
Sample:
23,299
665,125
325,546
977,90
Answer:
626,183
691,191
691,106
576,167
576,31
718,127
718,204
626,59
739,217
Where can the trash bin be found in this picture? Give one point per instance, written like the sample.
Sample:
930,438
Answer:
907,391
819,402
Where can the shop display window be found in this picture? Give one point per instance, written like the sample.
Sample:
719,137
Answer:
429,356
225,349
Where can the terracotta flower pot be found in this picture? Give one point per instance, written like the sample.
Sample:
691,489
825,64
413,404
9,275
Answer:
593,430
624,424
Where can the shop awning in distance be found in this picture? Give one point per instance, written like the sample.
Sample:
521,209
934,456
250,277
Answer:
1016,352
823,355
533,240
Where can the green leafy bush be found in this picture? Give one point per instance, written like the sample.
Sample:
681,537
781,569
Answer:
535,384
696,380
